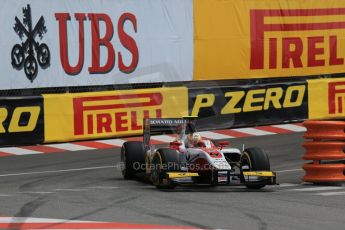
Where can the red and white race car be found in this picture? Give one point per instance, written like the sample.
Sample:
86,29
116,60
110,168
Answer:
190,160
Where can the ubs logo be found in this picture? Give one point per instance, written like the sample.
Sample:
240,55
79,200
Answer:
29,52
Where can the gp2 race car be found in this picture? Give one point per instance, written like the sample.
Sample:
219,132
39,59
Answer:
184,162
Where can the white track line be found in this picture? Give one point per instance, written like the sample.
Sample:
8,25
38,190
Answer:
213,135
38,220
105,187
18,151
285,185
330,193
57,171
70,190
5,195
252,131
115,142
36,192
311,189
291,127
288,170
70,147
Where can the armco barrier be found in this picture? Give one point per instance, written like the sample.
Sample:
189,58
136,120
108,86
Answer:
220,106
326,150
109,114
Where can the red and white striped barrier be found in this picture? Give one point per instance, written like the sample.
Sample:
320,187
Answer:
160,139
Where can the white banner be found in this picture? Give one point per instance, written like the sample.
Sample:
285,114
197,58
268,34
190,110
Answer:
47,43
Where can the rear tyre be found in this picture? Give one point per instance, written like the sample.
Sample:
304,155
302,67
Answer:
132,159
255,159
165,160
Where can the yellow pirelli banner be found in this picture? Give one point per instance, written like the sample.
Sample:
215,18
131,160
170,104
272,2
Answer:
78,116
326,98
238,39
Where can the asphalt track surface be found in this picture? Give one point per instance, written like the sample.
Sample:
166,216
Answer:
86,185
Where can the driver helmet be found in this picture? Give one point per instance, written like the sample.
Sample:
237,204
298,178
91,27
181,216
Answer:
196,138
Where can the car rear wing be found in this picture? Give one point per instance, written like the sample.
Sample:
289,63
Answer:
165,126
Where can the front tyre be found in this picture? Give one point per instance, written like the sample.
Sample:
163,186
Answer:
165,160
255,159
132,159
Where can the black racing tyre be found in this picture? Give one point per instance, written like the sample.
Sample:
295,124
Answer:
255,159
165,160
132,158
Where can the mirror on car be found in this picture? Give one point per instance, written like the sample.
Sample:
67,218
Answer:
222,144
176,143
